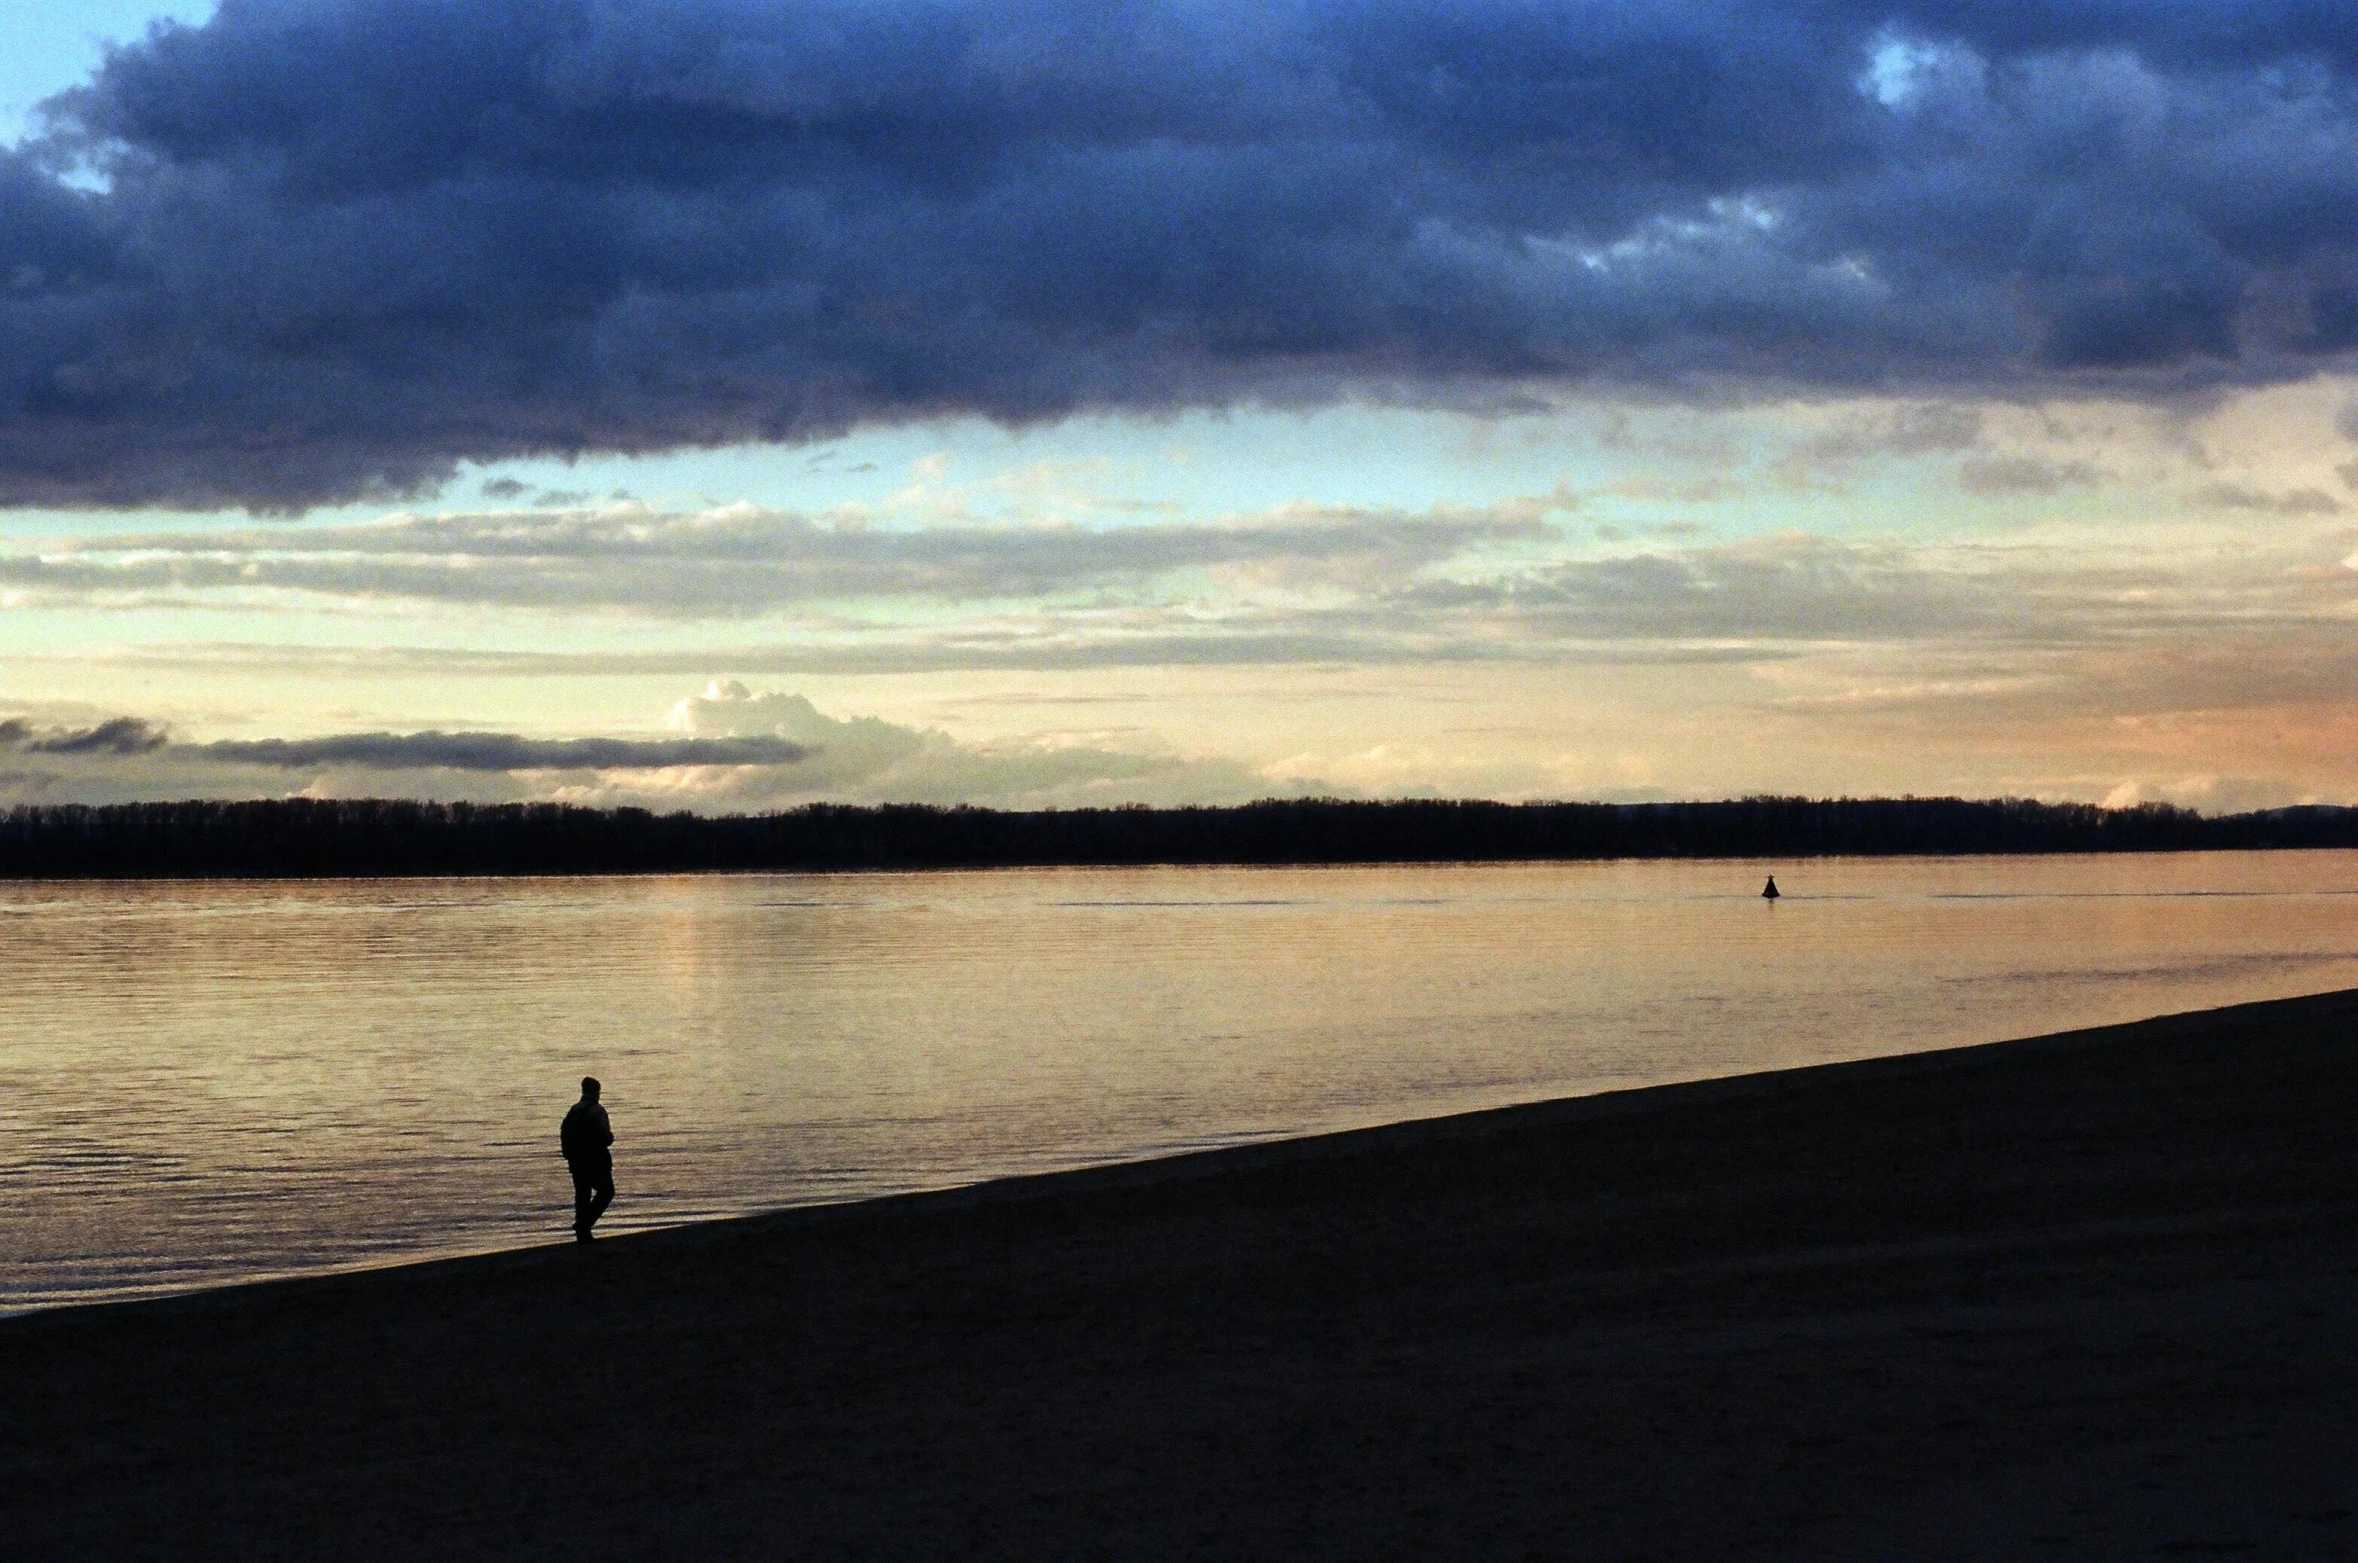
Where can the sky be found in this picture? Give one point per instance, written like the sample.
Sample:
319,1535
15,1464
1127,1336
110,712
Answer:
724,404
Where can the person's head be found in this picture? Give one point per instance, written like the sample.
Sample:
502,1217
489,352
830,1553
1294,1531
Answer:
589,1088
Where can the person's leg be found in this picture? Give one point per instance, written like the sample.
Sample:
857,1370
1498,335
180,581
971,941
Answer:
585,1185
603,1185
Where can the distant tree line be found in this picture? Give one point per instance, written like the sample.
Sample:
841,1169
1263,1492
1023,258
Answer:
328,838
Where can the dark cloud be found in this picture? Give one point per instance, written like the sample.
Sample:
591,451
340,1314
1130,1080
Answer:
344,245
509,489
1911,429
130,735
1899,431
1998,475
2299,502
117,736
739,749
498,752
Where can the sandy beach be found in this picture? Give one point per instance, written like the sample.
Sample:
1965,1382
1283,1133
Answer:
2085,1296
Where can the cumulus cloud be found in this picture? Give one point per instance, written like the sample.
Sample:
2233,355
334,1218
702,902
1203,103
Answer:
868,758
315,250
2211,794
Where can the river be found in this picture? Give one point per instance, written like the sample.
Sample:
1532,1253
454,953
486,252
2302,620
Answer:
204,1082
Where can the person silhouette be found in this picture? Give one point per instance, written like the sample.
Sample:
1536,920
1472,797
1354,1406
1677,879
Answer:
587,1141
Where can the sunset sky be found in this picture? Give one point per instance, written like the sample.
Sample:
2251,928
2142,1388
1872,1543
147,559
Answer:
727,404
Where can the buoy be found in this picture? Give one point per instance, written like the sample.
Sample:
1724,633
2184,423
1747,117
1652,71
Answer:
1772,892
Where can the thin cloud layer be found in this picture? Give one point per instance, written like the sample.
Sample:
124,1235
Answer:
507,752
740,560
499,752
337,247
1561,603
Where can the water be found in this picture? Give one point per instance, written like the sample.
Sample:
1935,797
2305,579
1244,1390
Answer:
207,1082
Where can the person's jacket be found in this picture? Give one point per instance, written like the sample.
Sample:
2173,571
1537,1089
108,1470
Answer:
586,1133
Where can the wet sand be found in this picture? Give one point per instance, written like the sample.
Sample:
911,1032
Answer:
2091,1296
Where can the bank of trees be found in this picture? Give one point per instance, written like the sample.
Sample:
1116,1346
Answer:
301,837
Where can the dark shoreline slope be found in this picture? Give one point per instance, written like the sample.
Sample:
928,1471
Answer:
389,837
2079,1297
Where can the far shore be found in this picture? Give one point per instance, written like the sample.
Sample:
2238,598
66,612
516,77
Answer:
2082,1296
368,838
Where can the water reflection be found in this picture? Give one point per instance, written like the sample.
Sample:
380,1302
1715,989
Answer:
208,1081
